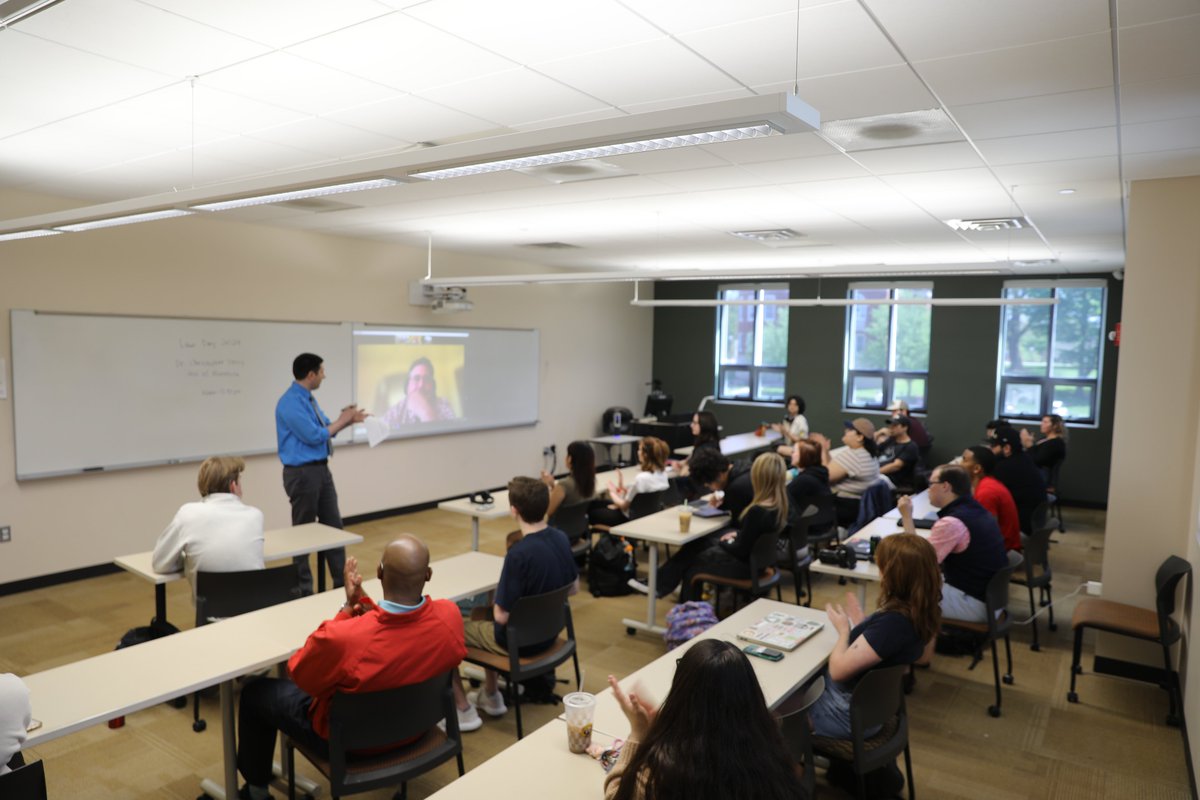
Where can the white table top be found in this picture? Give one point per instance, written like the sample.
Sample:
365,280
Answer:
663,526
88,692
621,438
538,766
778,679
921,507
739,443
277,544
499,509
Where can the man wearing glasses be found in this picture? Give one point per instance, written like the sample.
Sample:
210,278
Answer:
967,539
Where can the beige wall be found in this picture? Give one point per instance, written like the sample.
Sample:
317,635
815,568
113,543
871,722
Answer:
595,352
1155,495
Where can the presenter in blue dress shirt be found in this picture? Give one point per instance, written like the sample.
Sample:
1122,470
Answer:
305,437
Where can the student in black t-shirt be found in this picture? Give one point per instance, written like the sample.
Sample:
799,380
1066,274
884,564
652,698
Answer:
729,554
899,454
710,469
907,616
1050,450
539,562
1016,470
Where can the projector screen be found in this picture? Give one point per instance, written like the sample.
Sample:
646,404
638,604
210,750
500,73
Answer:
427,380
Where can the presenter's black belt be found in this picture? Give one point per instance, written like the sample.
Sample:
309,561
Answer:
321,463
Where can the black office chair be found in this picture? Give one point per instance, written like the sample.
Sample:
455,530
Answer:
797,731
878,700
533,619
228,594
25,783
1055,491
367,721
1036,573
998,623
573,521
763,574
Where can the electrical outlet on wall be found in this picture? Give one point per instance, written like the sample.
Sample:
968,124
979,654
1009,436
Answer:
5,534
1093,588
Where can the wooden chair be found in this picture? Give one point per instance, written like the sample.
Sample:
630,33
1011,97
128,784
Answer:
533,619
367,721
878,700
998,623
228,594
1036,573
25,783
763,574
797,731
1155,626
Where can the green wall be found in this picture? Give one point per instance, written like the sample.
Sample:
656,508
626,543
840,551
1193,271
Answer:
962,377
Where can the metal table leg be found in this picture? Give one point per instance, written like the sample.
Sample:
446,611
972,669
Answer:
648,624
475,533
160,602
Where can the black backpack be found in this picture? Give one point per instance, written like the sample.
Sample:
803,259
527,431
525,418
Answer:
146,633
610,566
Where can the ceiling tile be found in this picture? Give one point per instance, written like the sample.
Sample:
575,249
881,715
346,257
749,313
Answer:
833,38
401,52
640,73
1160,50
936,29
807,170
535,31
688,100
514,97
116,29
1144,11
1175,134
1047,68
1066,172
1163,164
1168,98
1089,108
955,194
296,83
329,138
1089,143
683,16
277,23
411,119
59,91
930,157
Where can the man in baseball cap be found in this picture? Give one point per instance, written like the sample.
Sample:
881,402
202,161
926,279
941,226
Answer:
1016,470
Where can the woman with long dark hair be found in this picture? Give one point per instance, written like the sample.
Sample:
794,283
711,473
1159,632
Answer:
705,431
906,618
580,485
713,738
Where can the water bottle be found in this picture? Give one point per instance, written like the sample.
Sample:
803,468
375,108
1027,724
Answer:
617,423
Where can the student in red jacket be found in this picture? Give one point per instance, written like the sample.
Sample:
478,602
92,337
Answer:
405,638
980,463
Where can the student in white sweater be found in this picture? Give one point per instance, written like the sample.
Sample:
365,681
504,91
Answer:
15,715
219,533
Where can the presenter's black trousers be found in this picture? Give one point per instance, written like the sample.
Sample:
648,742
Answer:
311,491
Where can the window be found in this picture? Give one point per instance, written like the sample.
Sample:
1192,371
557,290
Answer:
1050,356
752,344
887,346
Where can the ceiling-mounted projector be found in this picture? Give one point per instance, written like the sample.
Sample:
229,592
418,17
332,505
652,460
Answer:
439,299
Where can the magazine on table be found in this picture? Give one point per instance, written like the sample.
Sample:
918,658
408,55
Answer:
782,631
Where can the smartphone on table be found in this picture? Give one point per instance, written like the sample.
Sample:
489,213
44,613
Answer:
758,651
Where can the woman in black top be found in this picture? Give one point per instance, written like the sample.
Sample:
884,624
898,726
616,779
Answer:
1051,449
730,554
811,481
705,431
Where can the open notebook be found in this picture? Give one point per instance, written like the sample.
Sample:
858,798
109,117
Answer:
782,631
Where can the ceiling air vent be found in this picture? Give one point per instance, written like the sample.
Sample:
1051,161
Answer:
778,237
907,129
989,224
552,245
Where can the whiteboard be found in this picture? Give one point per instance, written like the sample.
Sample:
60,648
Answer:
94,393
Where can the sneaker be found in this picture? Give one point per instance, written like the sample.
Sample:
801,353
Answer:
468,720
637,586
492,705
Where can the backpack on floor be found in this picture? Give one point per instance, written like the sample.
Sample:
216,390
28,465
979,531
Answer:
610,566
146,633
688,620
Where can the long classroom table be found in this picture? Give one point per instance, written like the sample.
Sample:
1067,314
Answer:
298,540
540,765
740,443
88,692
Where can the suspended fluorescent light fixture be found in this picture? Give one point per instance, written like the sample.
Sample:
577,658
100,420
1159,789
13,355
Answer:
809,302
128,219
298,194
8,237
604,151
727,121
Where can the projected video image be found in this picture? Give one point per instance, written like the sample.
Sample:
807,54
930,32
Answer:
411,382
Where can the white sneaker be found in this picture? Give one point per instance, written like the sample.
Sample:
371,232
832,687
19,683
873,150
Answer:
637,586
469,720
492,705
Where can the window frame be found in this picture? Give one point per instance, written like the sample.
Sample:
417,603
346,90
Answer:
889,376
755,370
1047,382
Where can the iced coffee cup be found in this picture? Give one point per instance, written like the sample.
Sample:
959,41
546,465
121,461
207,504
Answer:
685,518
580,710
